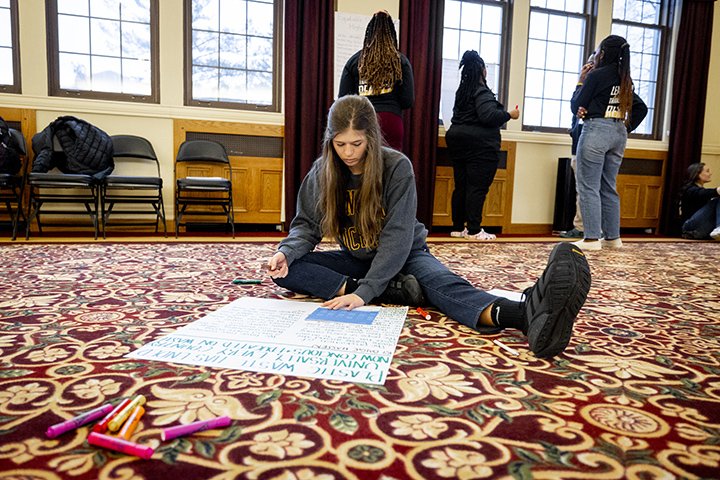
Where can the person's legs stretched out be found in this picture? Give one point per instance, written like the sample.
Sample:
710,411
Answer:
545,315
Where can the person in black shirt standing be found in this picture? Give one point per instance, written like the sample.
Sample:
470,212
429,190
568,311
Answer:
605,100
700,206
473,141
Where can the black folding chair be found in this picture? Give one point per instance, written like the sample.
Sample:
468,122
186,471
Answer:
64,189
206,189
133,154
12,185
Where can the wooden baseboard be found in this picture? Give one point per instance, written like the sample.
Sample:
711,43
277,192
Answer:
528,229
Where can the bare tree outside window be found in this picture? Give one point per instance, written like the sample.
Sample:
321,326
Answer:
233,58
104,47
479,26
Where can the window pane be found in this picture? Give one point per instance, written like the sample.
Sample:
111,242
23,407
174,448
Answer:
6,66
74,34
490,48
233,51
554,57
233,86
5,28
135,10
106,47
105,35
75,74
471,18
136,41
259,19
539,25
469,41
451,43
136,76
205,14
105,9
534,83
233,17
492,19
233,56
73,7
452,14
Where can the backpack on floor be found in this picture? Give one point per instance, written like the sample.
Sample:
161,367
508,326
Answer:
9,156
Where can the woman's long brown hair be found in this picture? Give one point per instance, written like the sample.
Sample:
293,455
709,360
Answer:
356,113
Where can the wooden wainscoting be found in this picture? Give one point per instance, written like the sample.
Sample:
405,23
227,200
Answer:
256,157
640,186
497,211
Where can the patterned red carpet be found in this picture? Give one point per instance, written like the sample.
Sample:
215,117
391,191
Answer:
635,395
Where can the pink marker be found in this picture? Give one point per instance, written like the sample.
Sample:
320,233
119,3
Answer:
181,430
120,445
77,422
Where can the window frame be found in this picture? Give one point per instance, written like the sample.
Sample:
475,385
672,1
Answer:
274,106
16,86
665,27
590,16
53,53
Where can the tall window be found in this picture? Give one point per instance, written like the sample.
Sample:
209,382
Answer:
103,49
645,26
9,55
232,53
557,49
480,25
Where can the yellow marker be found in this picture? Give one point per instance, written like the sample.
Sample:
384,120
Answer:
131,424
123,414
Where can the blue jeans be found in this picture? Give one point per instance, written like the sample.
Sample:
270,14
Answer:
703,221
321,274
599,155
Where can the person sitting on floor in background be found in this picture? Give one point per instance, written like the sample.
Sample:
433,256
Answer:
363,195
473,142
700,206
383,74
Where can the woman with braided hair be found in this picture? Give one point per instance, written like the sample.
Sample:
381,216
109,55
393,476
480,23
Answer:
473,142
383,74
610,109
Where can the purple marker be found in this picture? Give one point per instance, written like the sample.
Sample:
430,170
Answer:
180,430
79,421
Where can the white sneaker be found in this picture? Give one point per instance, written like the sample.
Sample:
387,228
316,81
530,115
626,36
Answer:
588,246
459,234
616,243
715,234
482,236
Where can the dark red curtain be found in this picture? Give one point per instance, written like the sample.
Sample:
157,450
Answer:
309,52
692,63
421,30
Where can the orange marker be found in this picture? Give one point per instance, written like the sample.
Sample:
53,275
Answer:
423,313
131,423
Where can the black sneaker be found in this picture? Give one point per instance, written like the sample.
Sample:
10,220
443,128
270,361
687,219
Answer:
574,233
403,290
552,304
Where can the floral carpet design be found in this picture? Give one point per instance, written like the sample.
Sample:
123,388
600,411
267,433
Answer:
635,395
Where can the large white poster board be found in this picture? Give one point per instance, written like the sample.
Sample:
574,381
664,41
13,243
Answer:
289,338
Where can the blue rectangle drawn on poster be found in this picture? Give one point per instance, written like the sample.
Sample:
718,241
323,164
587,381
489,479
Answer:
358,317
